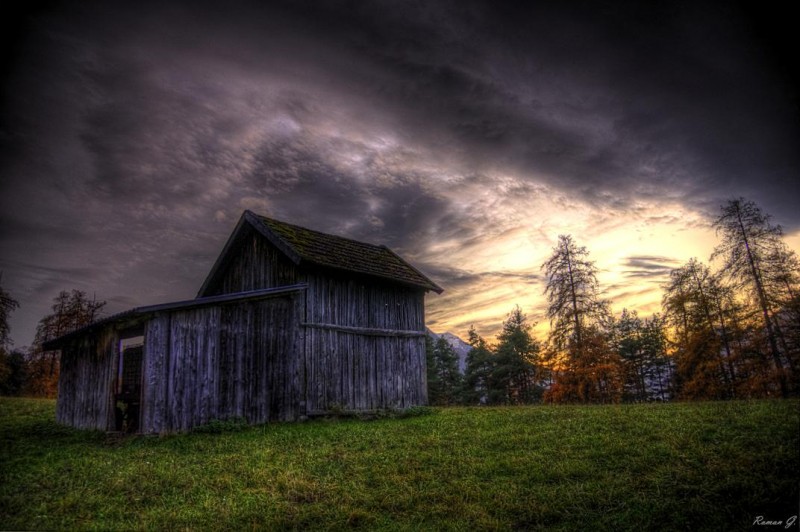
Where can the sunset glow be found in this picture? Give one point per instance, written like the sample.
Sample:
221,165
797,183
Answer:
634,258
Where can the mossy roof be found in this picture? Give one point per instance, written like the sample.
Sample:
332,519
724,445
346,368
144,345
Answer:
331,251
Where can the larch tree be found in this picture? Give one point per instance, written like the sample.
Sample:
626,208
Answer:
695,304
572,293
783,282
587,369
749,251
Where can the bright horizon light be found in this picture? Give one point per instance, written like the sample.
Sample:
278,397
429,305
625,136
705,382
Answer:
665,237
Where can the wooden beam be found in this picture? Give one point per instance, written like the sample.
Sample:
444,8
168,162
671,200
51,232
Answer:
366,331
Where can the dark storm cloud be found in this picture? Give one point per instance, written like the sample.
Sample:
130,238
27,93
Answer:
609,100
605,101
138,133
300,183
47,278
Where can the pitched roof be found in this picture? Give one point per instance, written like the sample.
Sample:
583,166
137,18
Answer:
306,246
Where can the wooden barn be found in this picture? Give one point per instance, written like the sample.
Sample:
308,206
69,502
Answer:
289,323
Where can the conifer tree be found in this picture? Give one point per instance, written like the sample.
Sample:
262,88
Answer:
478,375
514,373
629,342
587,369
696,304
659,368
641,345
444,379
752,251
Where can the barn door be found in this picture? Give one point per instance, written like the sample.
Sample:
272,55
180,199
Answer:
128,392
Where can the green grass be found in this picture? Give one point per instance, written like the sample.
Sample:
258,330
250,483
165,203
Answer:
702,466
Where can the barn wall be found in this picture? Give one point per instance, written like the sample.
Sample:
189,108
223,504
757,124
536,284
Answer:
86,378
256,264
360,372
239,360
365,348
364,302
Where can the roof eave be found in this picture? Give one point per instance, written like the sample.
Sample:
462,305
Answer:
431,285
145,311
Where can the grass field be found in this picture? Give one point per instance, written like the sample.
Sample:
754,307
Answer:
702,466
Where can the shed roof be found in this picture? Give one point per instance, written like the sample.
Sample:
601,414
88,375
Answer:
307,246
148,310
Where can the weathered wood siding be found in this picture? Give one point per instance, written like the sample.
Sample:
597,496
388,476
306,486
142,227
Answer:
241,360
358,372
85,383
364,302
348,369
365,348
257,264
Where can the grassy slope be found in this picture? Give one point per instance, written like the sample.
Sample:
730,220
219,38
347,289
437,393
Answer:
673,466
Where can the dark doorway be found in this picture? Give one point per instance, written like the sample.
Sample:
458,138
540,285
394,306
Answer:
128,393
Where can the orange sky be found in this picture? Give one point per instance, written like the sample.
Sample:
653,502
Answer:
659,237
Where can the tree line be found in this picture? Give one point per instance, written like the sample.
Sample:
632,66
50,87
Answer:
733,332
35,372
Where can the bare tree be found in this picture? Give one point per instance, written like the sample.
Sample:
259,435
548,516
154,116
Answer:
8,361
7,305
71,311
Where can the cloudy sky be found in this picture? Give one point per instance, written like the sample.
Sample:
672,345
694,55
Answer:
463,135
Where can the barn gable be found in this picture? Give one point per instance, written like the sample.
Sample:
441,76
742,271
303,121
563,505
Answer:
286,244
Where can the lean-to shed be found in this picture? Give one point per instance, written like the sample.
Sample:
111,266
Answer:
289,323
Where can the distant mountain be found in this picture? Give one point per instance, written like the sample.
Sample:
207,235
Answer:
459,346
